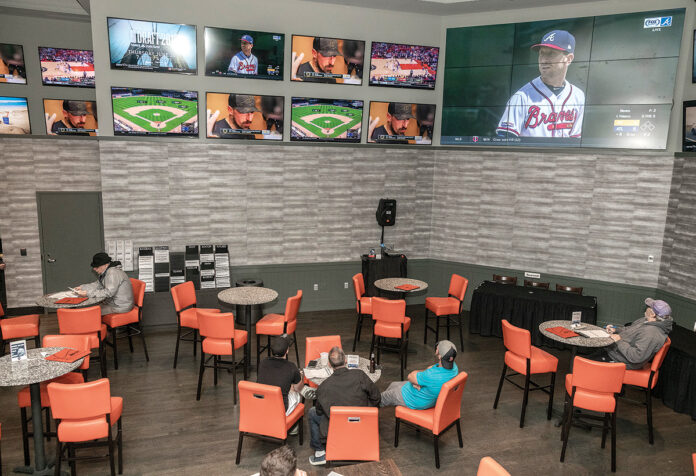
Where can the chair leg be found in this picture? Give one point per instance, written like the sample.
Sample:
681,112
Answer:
648,403
613,441
396,433
372,345
102,359
436,445
201,369
551,391
566,430
37,342
500,386
406,350
112,463
115,348
119,440
425,329
142,338
195,341
130,342
59,455
234,377
605,428
48,425
71,457
459,434
215,369
239,447
297,352
448,327
525,399
358,326
461,332
437,327
178,339
301,429
401,356
268,345
258,350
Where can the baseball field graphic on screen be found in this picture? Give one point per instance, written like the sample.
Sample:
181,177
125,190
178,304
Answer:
327,120
154,111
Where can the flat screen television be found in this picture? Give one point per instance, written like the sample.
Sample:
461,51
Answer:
14,116
158,112
67,67
70,117
244,53
327,60
326,120
12,69
689,126
244,116
403,66
141,45
401,123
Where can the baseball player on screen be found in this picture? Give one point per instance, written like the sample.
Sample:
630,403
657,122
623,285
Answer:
244,62
548,105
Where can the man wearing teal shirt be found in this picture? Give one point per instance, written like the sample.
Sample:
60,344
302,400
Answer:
423,386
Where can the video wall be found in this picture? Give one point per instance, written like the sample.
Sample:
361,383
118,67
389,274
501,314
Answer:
604,81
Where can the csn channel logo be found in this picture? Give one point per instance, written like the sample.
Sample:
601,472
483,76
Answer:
657,22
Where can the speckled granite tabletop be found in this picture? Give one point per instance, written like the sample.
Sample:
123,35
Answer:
364,365
579,341
35,369
390,284
49,302
247,296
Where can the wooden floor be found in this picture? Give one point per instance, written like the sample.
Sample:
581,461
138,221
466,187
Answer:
166,431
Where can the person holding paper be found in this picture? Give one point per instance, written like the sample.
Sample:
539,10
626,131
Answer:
112,285
277,370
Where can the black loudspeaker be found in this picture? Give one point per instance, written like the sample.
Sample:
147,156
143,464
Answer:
386,212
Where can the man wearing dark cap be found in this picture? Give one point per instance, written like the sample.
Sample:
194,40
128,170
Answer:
241,109
279,371
244,62
74,117
398,117
112,285
423,386
324,52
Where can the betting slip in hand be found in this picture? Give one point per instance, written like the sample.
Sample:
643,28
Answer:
595,333
352,361
63,294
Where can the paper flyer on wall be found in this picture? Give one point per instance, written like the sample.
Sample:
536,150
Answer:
111,248
146,267
161,254
128,260
207,253
120,251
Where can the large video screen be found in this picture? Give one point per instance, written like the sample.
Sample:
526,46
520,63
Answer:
401,123
65,67
605,81
326,120
12,69
158,112
403,66
318,59
152,46
244,53
244,116
14,116
70,117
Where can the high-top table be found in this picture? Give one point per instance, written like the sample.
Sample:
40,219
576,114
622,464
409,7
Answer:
32,371
390,285
47,301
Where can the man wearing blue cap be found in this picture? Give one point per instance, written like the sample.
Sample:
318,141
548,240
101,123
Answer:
548,106
244,62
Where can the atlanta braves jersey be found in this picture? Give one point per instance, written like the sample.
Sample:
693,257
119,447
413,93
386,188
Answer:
535,111
242,64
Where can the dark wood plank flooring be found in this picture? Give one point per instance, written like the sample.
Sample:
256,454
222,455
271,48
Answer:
166,431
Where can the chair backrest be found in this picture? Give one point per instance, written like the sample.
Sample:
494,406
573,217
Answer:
86,320
353,434
490,467
138,292
292,306
457,287
359,286
80,401
72,341
569,289
314,346
600,377
218,325
498,278
2,311
389,310
183,295
261,409
536,284
449,402
660,357
517,340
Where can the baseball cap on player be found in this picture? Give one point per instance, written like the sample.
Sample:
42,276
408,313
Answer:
76,108
326,46
660,308
400,110
447,352
247,38
243,103
558,40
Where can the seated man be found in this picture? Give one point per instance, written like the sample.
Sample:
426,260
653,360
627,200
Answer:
112,285
280,462
279,371
345,388
423,386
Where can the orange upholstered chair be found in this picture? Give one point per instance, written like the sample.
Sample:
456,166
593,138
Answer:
262,414
86,412
593,386
21,327
219,338
314,346
279,324
525,359
390,321
131,320
646,378
363,305
86,321
490,467
353,434
443,416
449,307
184,297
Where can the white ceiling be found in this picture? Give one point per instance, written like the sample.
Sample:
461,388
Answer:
55,6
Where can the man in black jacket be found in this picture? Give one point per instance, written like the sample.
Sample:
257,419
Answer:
352,388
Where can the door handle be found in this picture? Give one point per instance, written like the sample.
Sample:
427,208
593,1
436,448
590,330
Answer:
49,259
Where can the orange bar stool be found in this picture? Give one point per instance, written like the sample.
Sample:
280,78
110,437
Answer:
86,412
22,327
220,338
593,386
363,304
262,414
525,359
314,346
279,324
390,322
184,297
646,378
85,321
450,308
131,320
353,434
437,420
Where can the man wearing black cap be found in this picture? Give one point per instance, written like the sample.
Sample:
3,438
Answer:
423,386
398,117
241,109
112,285
279,371
74,114
324,52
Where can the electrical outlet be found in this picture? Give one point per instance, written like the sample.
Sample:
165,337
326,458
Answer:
316,287
651,258
345,285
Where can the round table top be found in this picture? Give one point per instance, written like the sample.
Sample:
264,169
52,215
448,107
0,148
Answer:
49,301
579,341
364,365
247,295
390,284
35,368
